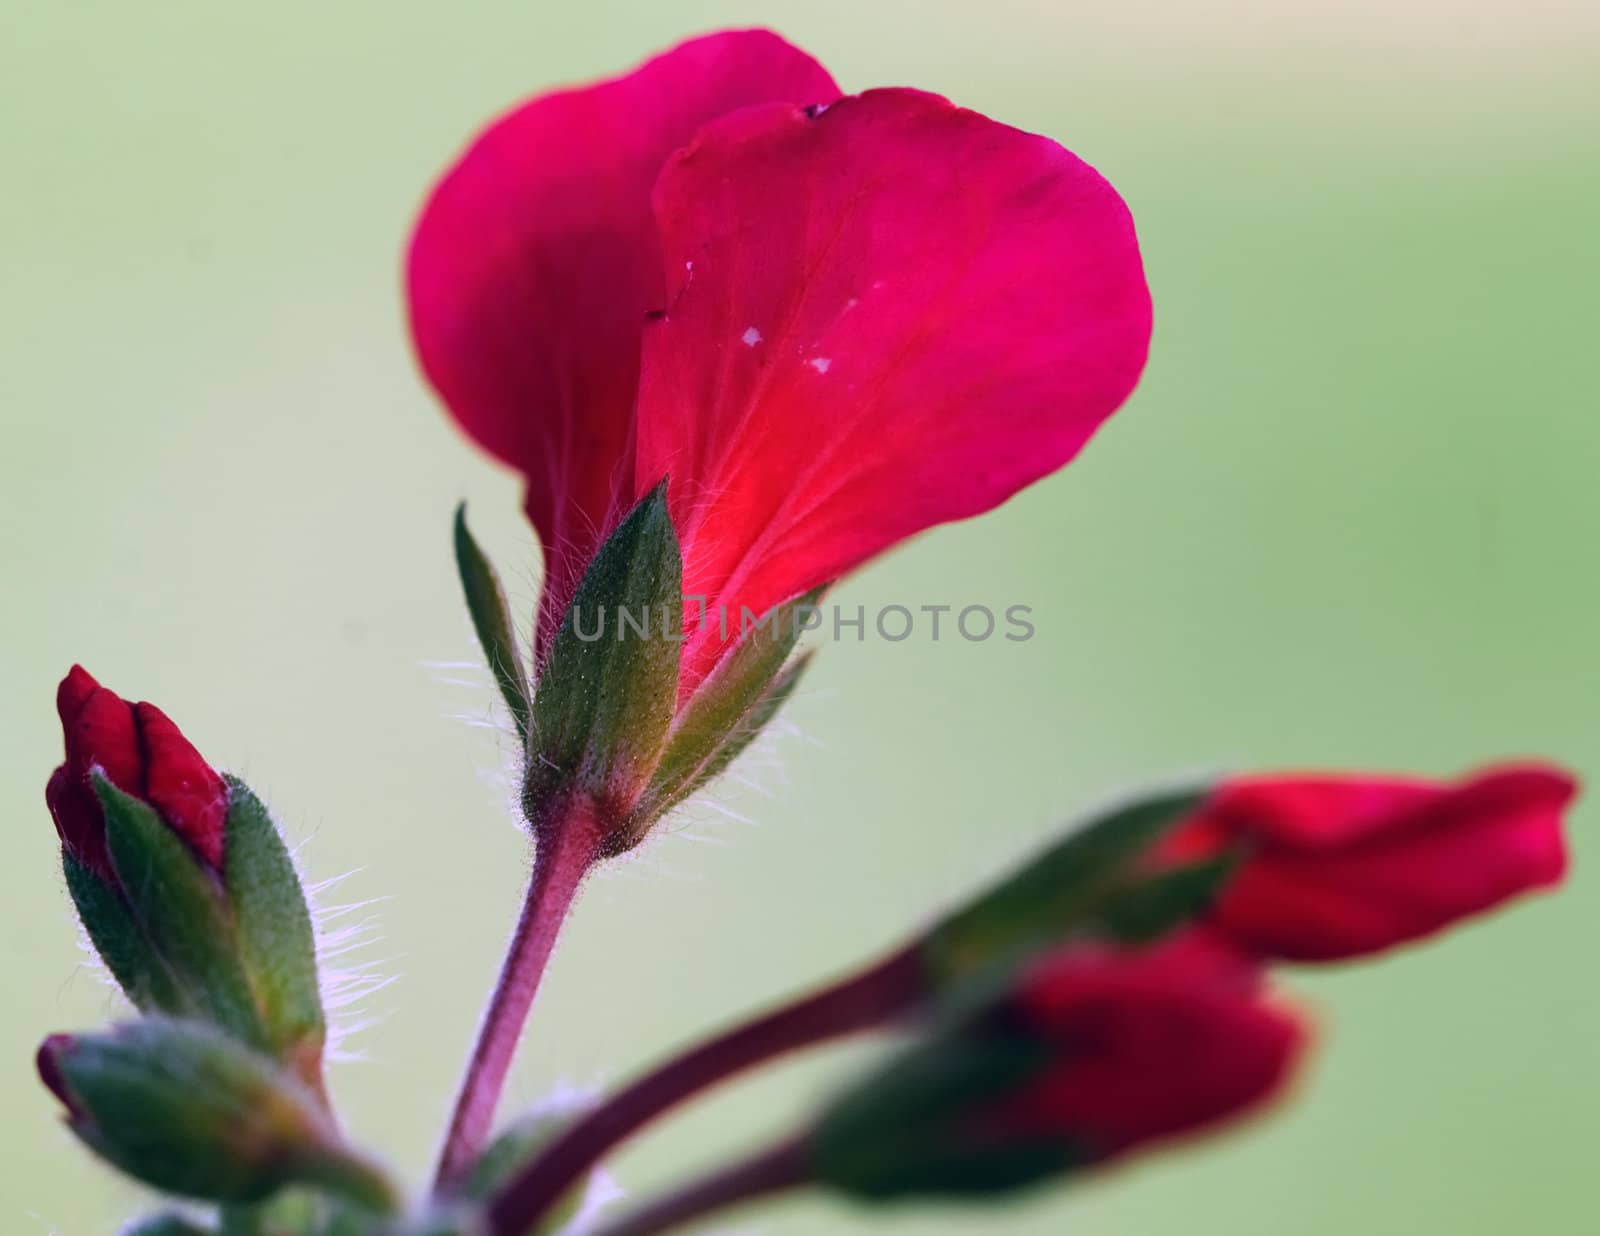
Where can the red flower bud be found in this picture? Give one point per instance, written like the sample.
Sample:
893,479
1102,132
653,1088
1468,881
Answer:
1146,1048
141,752
1085,1056
1342,866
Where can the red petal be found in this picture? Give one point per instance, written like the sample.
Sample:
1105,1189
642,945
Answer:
536,259
1318,888
880,318
1147,1051
183,788
142,753
99,731
79,822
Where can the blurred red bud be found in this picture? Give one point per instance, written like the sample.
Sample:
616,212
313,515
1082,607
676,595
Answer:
1340,866
1145,1048
1083,1055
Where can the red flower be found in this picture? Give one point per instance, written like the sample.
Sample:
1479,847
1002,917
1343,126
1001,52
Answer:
831,322
1341,866
1146,1047
142,753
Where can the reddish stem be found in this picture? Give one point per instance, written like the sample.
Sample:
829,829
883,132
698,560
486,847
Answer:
560,864
864,1001
776,1170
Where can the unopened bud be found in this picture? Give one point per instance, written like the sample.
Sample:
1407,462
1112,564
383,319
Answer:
185,1109
1083,1059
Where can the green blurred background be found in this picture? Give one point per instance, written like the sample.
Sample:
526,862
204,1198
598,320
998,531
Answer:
1349,519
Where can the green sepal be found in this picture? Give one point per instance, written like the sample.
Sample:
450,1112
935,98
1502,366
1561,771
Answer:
736,700
166,1225
186,1109
121,942
512,1150
748,729
1144,910
905,1132
608,687
1062,891
180,903
276,941
491,619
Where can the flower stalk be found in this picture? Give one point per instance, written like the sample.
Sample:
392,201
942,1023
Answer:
873,997
562,862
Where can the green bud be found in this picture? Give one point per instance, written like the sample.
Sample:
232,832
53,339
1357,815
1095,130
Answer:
188,1110
608,687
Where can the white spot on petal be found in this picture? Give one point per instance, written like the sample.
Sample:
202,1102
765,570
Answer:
820,363
751,337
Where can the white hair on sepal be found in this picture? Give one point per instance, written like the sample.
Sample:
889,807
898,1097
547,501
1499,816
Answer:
340,930
117,1005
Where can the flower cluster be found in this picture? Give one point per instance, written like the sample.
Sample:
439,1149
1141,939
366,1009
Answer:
741,332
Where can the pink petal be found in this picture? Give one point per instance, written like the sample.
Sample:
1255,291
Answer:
536,259
881,317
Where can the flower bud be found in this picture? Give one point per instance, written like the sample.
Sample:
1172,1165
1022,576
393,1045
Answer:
185,1109
1335,867
1084,1058
612,739
181,879
141,752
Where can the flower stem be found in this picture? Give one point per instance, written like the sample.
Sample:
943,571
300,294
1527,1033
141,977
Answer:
772,1171
868,999
563,857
